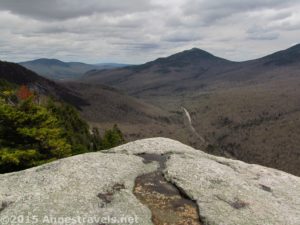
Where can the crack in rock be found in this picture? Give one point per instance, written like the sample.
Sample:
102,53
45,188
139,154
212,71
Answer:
168,203
228,165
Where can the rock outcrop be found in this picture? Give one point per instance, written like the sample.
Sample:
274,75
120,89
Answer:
97,188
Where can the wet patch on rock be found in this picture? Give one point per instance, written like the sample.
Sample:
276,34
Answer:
108,196
166,202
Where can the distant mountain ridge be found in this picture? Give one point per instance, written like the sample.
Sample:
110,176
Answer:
192,70
56,69
17,74
174,73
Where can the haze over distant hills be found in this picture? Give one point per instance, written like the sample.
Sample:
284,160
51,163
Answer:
56,69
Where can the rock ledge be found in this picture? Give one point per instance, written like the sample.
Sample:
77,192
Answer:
98,185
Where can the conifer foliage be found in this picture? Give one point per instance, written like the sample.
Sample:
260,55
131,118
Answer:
33,133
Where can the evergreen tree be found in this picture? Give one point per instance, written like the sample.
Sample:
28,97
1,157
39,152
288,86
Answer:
112,138
76,130
29,135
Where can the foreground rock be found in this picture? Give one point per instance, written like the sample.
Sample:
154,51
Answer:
90,187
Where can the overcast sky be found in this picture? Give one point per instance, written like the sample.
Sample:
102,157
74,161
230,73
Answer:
136,31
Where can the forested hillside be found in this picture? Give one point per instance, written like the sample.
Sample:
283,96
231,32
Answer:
37,129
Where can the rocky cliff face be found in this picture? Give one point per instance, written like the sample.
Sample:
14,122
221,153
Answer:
101,188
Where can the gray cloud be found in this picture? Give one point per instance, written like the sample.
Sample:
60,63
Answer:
182,36
261,33
212,11
135,31
66,9
263,36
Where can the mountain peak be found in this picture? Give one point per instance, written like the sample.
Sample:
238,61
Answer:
191,56
196,52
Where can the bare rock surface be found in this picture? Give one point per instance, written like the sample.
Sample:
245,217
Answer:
95,187
231,192
99,185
